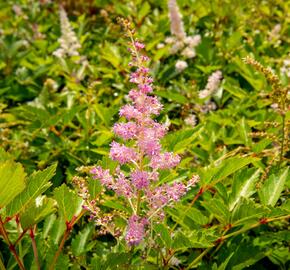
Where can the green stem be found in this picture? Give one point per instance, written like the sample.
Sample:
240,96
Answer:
254,226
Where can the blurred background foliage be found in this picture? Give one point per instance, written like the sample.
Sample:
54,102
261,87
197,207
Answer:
62,110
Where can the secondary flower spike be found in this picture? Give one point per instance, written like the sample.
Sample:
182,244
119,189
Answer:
141,150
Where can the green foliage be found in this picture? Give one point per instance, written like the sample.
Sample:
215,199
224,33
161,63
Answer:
272,188
12,181
61,111
37,183
68,202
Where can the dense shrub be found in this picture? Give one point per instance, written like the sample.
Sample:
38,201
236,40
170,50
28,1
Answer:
84,180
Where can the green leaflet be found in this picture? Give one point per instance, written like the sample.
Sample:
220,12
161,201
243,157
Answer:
218,209
12,181
68,202
272,188
243,186
79,243
193,239
36,213
37,183
226,168
247,210
162,230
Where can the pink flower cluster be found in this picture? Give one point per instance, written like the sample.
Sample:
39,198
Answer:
136,230
142,152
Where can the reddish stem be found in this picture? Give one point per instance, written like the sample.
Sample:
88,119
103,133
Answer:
3,232
31,234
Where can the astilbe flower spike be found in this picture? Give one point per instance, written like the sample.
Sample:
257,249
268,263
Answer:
69,44
179,40
141,151
212,85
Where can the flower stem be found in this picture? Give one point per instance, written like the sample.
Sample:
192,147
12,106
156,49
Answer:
138,203
282,141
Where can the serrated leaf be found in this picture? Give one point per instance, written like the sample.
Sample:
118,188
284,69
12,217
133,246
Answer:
194,214
37,183
243,186
270,192
246,211
36,213
218,209
79,243
226,168
12,181
193,239
68,202
57,230
4,156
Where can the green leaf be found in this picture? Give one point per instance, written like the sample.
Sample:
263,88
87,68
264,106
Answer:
12,181
38,182
68,202
243,186
232,87
247,256
79,243
218,209
37,212
117,260
94,187
116,205
247,210
173,96
223,266
194,214
180,140
162,230
270,192
226,168
4,156
180,241
193,239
